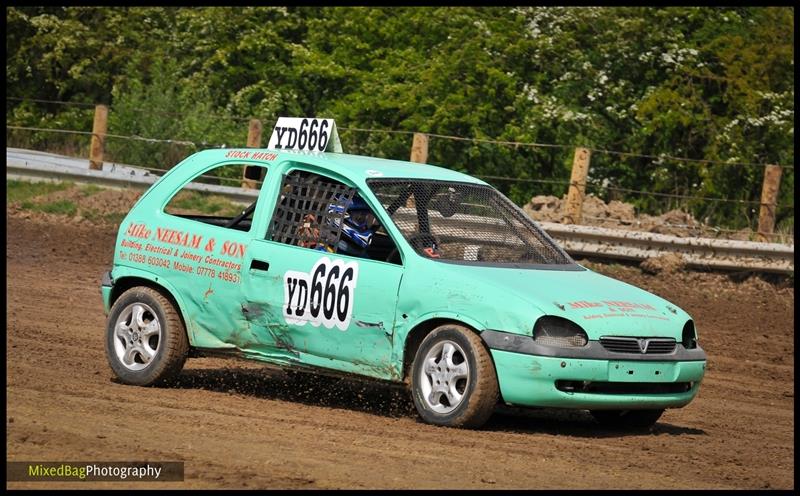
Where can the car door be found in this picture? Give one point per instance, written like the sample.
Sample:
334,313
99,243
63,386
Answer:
203,238
327,308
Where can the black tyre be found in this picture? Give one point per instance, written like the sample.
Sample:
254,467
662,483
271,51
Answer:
453,380
146,341
627,419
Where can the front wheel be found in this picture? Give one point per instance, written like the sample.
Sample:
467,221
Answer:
631,419
146,340
453,379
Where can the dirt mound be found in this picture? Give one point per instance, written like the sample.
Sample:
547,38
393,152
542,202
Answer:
109,201
669,263
595,212
75,204
546,208
620,215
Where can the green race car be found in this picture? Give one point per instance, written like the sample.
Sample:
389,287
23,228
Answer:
393,270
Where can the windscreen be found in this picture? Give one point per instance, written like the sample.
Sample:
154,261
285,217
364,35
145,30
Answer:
465,222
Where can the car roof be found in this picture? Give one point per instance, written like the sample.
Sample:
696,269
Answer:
358,166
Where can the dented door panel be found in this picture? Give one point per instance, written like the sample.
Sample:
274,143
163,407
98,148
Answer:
326,306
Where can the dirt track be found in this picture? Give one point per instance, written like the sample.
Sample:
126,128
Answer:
238,424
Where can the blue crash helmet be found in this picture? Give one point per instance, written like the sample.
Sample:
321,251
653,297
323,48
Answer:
357,227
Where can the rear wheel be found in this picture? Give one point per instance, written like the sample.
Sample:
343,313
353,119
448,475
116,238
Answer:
630,419
146,340
453,380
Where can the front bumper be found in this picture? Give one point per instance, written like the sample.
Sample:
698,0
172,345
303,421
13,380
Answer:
601,382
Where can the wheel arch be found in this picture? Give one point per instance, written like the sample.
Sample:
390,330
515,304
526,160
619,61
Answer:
424,327
127,282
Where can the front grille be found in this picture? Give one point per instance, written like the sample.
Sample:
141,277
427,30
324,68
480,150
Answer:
623,387
653,346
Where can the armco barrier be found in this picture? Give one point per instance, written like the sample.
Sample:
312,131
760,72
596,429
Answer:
719,254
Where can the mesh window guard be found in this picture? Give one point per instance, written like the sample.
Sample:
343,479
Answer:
302,216
466,222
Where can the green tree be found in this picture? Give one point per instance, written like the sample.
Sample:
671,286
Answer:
706,83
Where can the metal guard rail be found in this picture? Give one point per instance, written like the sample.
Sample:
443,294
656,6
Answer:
577,240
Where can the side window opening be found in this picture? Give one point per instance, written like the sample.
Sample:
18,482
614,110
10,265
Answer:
202,199
323,214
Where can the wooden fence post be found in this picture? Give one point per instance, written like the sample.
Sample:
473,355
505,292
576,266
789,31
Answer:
577,186
252,175
769,200
419,148
99,128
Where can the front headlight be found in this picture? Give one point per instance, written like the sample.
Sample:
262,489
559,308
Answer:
689,339
556,331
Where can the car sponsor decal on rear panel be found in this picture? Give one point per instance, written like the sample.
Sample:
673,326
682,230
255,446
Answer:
322,296
190,253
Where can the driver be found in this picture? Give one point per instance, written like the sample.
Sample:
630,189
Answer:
308,232
358,226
